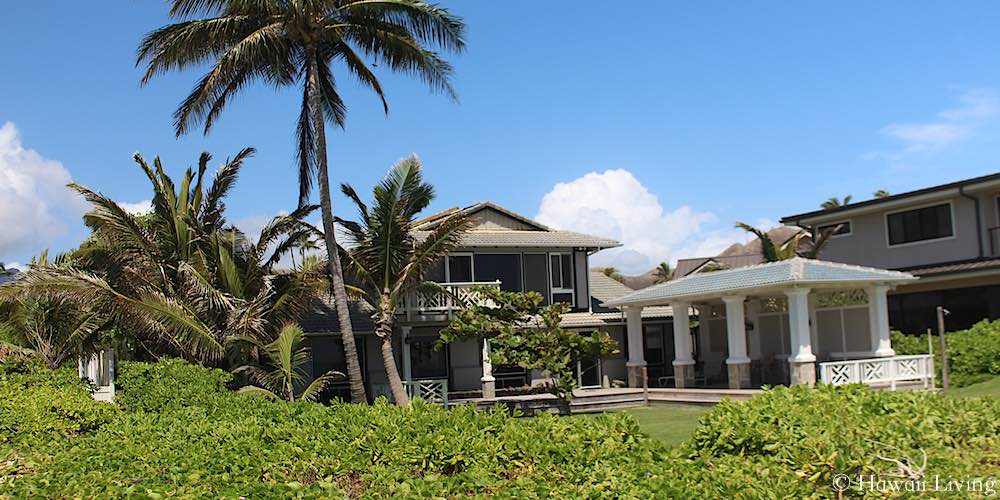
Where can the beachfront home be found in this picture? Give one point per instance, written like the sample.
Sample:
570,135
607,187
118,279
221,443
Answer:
948,235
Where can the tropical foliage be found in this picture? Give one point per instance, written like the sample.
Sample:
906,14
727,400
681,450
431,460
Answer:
525,332
834,202
973,353
181,279
613,273
176,430
51,331
799,245
281,368
663,272
296,44
386,259
881,193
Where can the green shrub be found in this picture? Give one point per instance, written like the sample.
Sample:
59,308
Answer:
973,354
178,431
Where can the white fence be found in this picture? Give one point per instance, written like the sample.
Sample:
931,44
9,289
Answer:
880,371
451,297
430,390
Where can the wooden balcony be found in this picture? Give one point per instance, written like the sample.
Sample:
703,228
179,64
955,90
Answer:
441,305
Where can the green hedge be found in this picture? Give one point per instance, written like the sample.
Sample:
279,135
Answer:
973,354
177,430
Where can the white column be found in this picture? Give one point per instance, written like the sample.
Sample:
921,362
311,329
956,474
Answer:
489,386
407,368
682,334
813,321
878,321
633,325
798,320
636,357
736,330
753,337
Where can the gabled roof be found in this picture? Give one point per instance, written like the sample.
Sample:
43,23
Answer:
769,277
893,199
503,228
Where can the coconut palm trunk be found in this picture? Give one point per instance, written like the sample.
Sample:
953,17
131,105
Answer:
330,236
383,330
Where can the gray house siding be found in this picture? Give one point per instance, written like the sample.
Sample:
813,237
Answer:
868,242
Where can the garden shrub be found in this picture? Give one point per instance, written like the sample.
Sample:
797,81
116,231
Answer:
973,354
177,430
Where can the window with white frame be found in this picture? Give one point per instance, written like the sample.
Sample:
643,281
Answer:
561,274
920,224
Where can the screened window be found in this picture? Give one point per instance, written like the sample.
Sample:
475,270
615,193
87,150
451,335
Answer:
920,224
459,268
561,270
425,362
503,267
536,274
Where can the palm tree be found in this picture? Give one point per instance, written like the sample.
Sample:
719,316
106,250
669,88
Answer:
181,276
613,273
663,272
4,271
387,260
49,330
282,44
282,367
773,252
881,193
834,202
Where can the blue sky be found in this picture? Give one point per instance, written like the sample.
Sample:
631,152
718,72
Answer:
686,116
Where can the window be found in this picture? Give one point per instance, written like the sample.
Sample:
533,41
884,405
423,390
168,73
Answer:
561,276
425,361
536,274
503,267
459,268
921,224
839,229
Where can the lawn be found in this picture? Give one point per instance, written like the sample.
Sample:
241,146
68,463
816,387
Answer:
671,424
990,388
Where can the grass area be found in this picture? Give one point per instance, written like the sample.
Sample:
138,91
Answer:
671,424
990,388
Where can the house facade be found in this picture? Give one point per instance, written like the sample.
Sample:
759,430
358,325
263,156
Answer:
508,251
948,235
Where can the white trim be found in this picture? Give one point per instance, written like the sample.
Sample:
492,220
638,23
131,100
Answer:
951,215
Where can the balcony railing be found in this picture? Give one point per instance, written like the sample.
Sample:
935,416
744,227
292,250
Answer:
443,303
880,371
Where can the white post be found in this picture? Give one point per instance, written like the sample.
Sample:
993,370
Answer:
636,358
878,321
407,368
738,363
683,363
813,323
488,381
802,361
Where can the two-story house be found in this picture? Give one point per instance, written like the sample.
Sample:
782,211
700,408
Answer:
948,235
502,249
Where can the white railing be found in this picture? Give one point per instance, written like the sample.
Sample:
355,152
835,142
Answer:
880,371
451,297
430,390
99,369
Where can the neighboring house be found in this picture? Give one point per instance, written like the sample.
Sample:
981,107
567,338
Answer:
948,235
502,249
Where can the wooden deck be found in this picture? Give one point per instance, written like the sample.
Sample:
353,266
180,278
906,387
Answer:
585,400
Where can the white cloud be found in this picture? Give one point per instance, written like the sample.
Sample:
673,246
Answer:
615,204
34,201
137,208
953,125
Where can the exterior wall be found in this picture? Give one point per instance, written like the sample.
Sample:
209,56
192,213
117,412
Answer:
491,220
868,243
613,367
